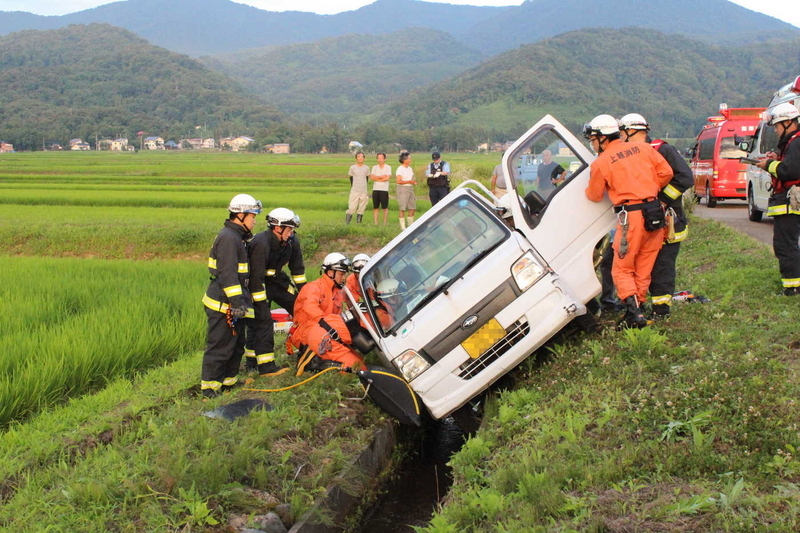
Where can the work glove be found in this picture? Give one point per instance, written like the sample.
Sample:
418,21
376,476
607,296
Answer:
238,312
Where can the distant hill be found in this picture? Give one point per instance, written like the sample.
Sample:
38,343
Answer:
82,80
675,82
715,21
349,74
206,27
210,27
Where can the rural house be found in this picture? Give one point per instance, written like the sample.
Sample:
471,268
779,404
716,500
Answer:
277,148
236,144
6,148
153,143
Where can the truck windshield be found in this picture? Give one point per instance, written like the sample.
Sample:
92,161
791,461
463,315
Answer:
729,149
430,260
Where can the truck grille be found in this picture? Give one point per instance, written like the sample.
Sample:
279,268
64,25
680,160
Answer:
514,334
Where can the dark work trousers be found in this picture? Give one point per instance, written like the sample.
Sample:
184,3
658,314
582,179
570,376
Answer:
608,296
437,193
223,352
260,335
662,281
785,233
281,296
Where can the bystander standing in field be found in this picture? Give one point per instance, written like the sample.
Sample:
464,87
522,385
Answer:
380,175
438,174
357,203
405,190
499,187
227,299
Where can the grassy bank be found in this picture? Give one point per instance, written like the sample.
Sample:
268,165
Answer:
690,425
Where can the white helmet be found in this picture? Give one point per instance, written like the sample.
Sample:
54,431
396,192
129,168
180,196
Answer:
244,203
781,112
359,262
336,261
601,125
390,287
633,121
504,206
283,217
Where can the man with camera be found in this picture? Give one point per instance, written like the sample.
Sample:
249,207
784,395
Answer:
438,174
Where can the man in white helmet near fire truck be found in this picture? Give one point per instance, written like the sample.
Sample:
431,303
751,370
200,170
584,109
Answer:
634,128
269,252
227,299
633,174
784,202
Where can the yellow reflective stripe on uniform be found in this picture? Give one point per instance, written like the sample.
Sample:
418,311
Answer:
791,282
213,385
249,353
772,168
777,210
233,290
671,191
299,279
212,263
265,358
230,382
662,300
244,268
259,296
679,236
214,305
271,272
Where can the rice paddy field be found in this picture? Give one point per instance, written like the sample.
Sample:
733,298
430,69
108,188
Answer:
104,254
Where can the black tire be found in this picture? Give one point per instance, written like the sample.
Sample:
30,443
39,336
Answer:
587,323
710,200
468,417
752,213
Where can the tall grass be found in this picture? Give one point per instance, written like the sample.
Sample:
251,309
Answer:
71,325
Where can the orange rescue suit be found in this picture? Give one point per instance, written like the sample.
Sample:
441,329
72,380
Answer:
633,173
316,299
353,287
328,346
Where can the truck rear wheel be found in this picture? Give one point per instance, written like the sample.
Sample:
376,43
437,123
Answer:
710,200
752,212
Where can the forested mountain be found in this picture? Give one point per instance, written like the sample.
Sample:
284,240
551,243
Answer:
97,79
208,27
349,74
205,27
674,81
715,21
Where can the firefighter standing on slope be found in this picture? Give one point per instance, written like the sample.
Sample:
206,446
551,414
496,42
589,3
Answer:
269,251
227,299
784,202
633,173
634,128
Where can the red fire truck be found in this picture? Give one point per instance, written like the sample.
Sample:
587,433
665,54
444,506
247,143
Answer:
718,174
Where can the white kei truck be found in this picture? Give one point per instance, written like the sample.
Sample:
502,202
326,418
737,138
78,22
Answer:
759,182
479,296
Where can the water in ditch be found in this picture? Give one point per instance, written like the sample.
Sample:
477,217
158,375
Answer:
421,483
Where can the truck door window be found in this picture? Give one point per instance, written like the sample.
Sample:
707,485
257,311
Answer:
434,256
729,149
707,148
769,140
545,164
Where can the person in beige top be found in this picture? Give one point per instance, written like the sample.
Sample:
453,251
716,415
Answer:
380,175
405,190
357,204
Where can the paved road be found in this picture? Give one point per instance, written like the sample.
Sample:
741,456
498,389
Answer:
734,214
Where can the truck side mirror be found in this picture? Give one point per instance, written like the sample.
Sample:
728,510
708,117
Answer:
745,146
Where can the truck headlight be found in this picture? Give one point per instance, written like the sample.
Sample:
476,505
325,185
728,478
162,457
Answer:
411,364
526,271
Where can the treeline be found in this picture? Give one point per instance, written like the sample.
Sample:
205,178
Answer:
83,81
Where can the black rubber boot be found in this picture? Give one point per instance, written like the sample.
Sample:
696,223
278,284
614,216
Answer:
348,218
791,291
271,369
660,312
358,218
634,318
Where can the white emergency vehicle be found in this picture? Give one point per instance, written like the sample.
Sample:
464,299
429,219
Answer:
470,297
759,181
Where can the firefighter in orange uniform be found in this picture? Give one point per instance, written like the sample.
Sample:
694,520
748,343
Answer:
359,262
633,174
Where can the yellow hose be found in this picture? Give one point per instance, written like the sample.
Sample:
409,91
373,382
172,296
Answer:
315,376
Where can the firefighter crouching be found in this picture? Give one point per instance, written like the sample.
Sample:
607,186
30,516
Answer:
784,202
634,128
318,328
359,262
633,173
227,299
269,252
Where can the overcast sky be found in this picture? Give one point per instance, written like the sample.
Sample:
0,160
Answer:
786,10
